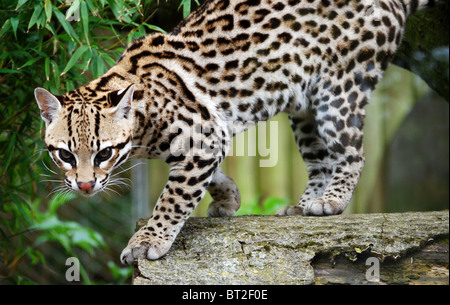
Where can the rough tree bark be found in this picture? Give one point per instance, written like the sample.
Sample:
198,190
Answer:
410,247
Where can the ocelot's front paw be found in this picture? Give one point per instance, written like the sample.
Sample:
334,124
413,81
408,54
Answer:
144,247
222,208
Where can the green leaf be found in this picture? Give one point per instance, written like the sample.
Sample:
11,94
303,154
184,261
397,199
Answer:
10,150
101,68
91,6
250,208
73,60
272,204
20,204
50,29
141,31
73,9
83,239
5,27
186,4
154,27
56,84
8,71
36,13
85,21
20,3
47,68
57,201
40,53
108,59
48,9
65,24
118,273
50,223
30,62
14,24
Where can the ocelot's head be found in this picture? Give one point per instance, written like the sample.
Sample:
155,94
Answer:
88,134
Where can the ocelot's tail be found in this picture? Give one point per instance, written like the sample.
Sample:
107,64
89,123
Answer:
411,6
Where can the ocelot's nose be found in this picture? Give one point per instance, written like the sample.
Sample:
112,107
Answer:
86,186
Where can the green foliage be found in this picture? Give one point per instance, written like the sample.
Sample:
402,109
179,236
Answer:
120,274
68,234
268,207
186,5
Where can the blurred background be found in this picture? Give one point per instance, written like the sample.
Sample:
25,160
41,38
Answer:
60,45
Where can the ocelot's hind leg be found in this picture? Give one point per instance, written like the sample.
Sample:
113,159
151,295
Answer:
331,145
226,195
317,160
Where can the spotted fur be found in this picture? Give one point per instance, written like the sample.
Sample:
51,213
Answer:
182,96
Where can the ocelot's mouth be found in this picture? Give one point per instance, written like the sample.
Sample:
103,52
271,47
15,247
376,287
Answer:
90,188
109,184
87,194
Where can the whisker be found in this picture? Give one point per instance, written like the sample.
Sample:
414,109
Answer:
126,180
127,169
49,180
39,152
110,190
114,182
106,193
67,193
45,175
45,165
55,191
139,146
119,185
59,189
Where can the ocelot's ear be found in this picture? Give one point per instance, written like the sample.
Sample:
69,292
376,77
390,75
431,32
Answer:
49,104
121,102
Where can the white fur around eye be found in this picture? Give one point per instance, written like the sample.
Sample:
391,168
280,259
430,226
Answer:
102,146
66,166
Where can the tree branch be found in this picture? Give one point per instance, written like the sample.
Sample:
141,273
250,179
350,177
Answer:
304,250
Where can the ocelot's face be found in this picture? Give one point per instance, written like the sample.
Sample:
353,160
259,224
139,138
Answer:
87,139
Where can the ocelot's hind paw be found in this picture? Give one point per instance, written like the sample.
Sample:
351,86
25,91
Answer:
322,207
314,207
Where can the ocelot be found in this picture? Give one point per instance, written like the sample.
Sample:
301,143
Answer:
182,96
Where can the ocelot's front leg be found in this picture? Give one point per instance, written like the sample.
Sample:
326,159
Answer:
190,175
181,195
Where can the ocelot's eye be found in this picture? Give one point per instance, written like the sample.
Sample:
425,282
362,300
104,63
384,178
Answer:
103,155
66,156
